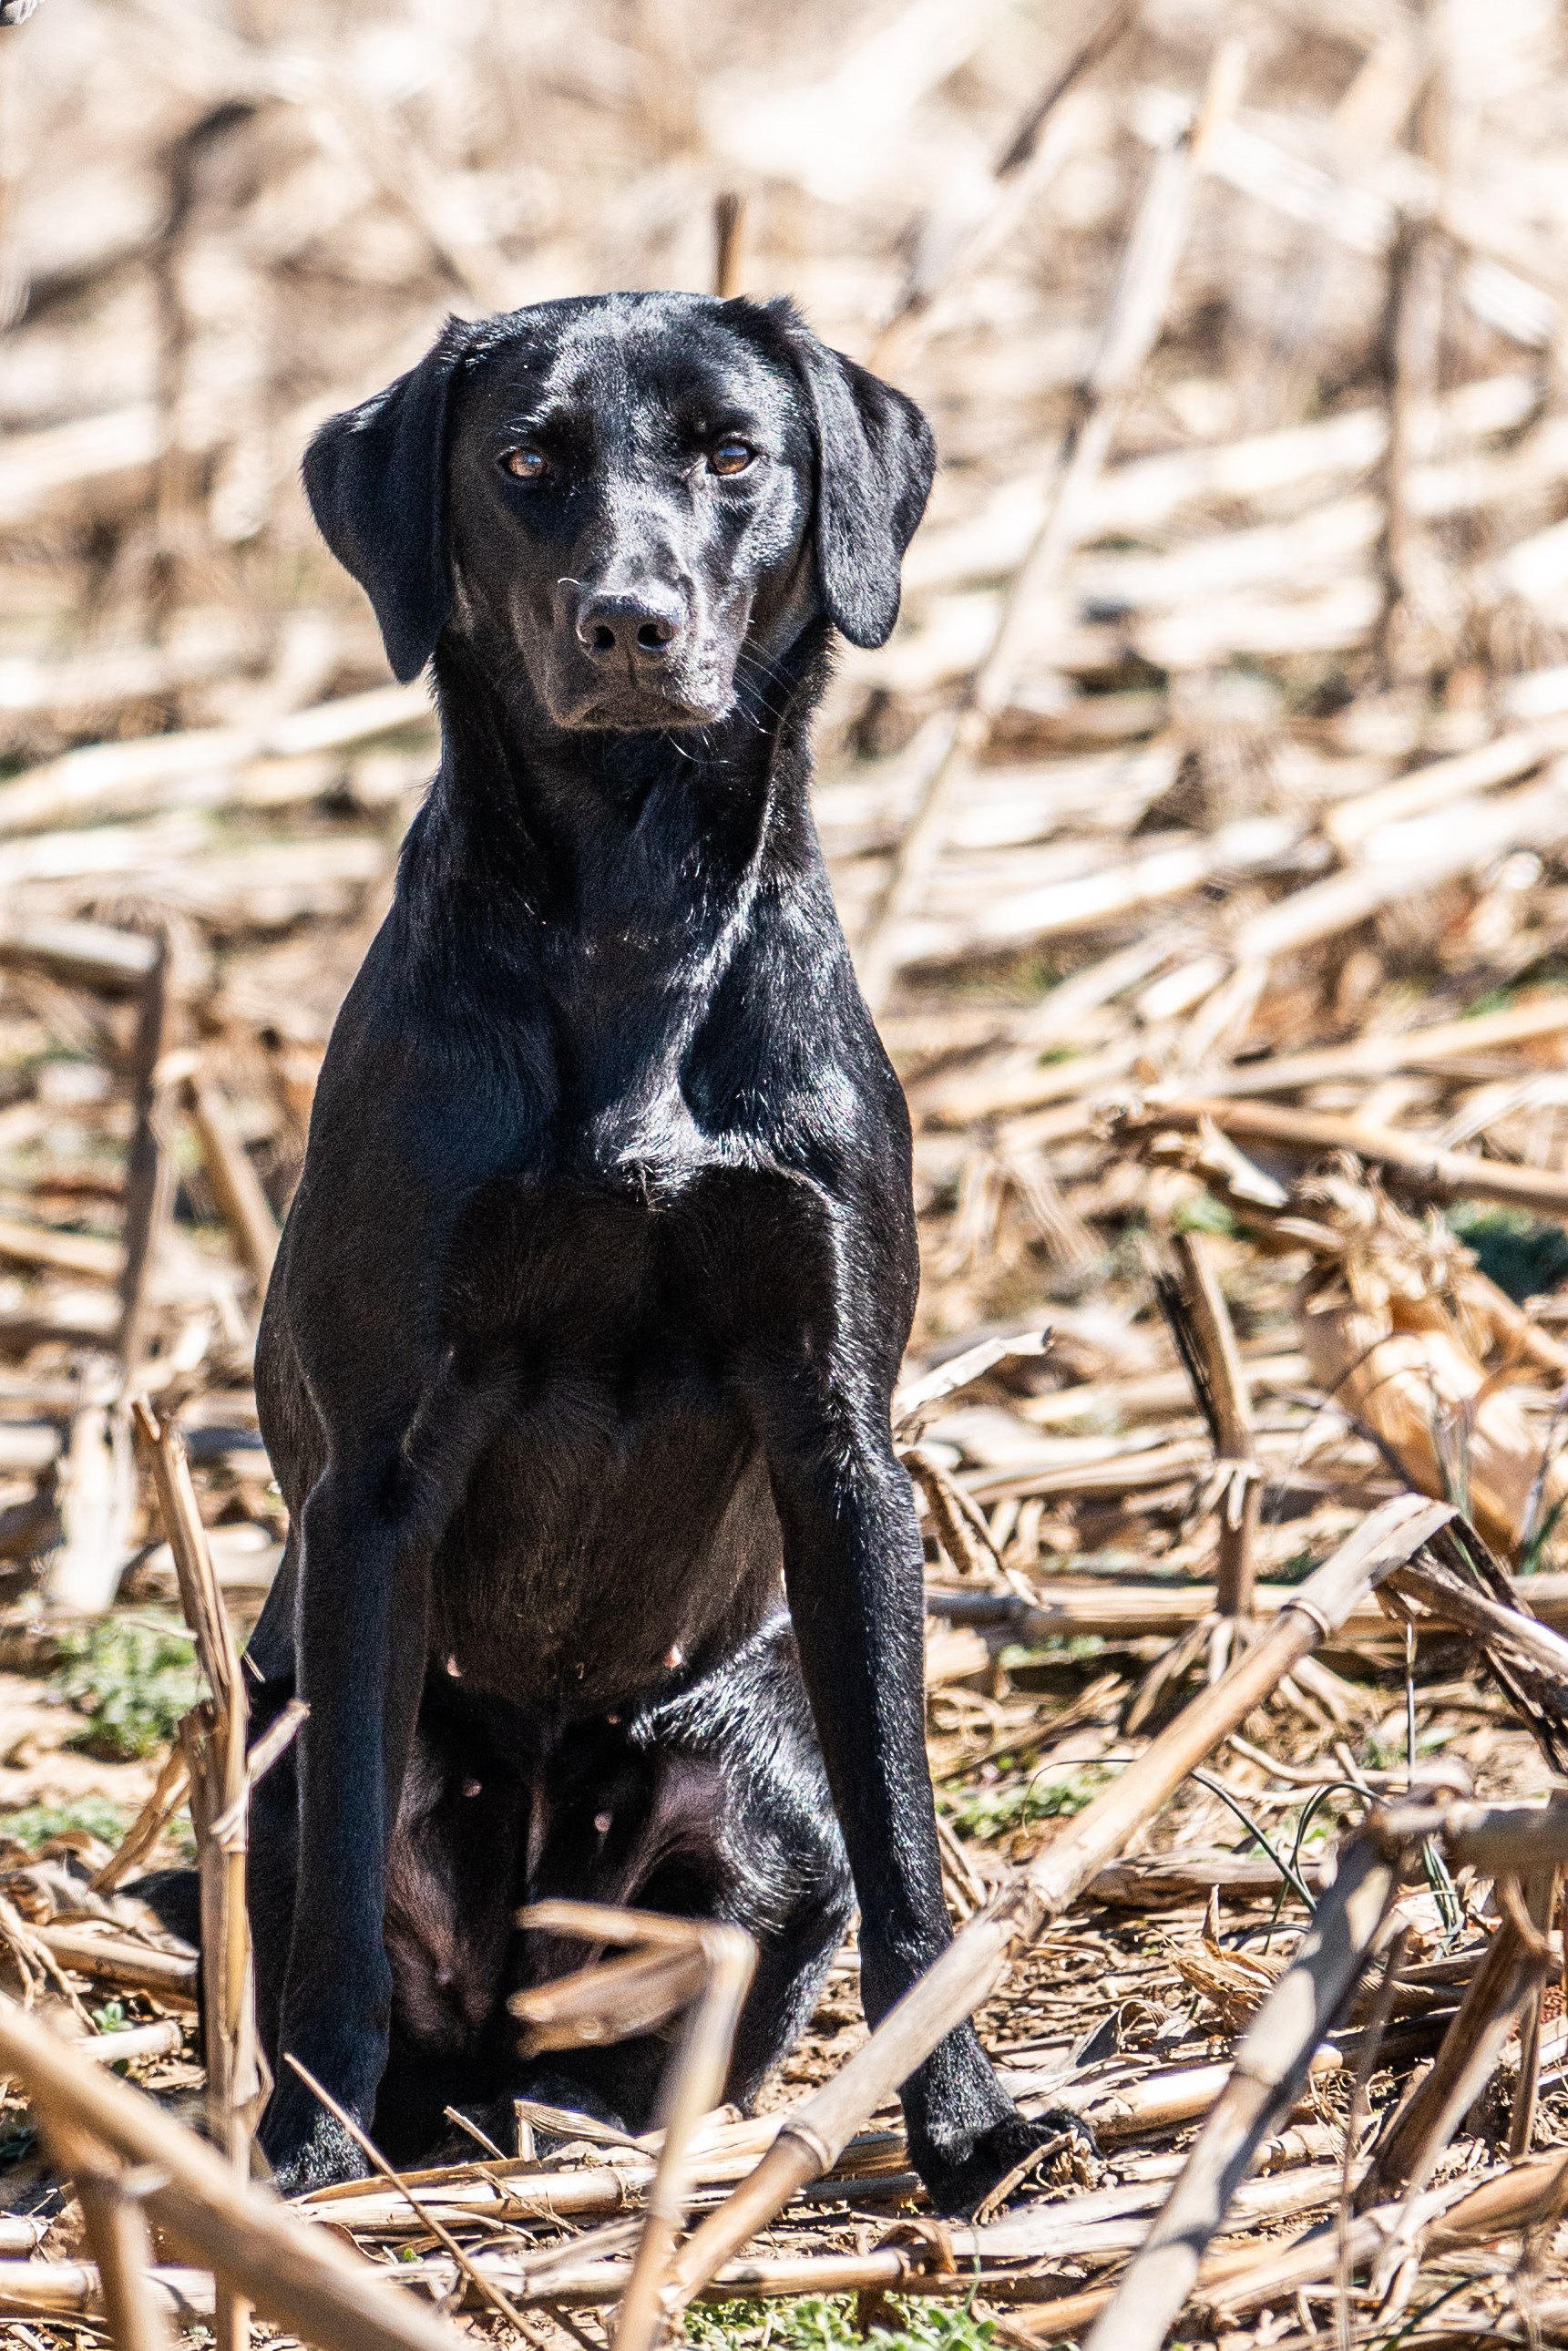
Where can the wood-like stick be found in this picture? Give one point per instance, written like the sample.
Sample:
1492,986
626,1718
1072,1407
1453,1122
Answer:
1240,2277
488,2290
1059,1611
299,2278
728,236
117,2234
1271,2065
729,1957
1540,1896
246,1210
816,2132
1494,1840
169,1791
968,1546
115,1959
1225,1395
726,1957
1512,1970
1425,1168
1412,334
213,1738
1021,170
1442,2219
1379,1055
106,2190
150,1168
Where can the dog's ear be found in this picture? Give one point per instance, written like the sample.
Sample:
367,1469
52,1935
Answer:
376,480
875,457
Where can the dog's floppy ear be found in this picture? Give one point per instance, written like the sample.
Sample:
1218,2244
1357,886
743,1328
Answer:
875,457
376,480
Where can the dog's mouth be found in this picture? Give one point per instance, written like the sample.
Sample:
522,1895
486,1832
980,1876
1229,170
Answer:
633,714
638,705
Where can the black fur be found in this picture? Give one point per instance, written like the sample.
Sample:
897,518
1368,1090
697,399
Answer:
578,1355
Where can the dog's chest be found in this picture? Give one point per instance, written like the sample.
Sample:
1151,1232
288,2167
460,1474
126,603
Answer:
621,1514
622,1115
644,1142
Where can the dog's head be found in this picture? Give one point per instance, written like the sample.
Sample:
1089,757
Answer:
644,492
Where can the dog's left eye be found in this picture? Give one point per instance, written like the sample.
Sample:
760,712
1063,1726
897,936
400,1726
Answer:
528,465
731,457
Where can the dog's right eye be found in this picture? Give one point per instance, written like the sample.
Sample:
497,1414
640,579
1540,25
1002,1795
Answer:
528,465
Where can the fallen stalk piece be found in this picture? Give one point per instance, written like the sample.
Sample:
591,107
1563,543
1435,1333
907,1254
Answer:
1245,2277
1106,2222
213,1742
1124,2107
1271,2065
165,2037
109,2193
1275,2055
816,2134
1437,2222
1206,1341
1131,1610
915,2269
298,2277
131,1967
1436,1174
706,1970
1132,324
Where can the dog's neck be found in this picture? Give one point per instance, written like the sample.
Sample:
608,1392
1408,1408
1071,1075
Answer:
614,878
550,809
612,869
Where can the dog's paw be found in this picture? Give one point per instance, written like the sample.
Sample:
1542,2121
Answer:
318,2157
1000,2160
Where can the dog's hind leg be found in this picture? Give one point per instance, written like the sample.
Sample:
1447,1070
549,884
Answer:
786,1876
713,1804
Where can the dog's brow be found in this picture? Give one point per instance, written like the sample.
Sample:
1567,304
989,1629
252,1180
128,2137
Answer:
538,423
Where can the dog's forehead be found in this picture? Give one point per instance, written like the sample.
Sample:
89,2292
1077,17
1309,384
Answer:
630,351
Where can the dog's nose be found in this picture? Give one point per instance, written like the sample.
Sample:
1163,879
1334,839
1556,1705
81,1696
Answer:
643,625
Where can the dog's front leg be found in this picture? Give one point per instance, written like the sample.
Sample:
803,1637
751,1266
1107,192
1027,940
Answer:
362,1611
854,1576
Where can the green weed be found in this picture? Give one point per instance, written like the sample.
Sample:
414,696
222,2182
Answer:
991,1811
1078,1649
815,2324
1519,1252
133,1680
1202,1213
1389,1753
1534,1556
96,1816
35,1824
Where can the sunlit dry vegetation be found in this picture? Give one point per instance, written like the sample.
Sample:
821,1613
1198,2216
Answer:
1203,835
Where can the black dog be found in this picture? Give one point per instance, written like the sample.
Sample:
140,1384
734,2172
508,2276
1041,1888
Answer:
578,1356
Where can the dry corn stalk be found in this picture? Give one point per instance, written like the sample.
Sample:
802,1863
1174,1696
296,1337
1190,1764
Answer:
1397,1327
300,2278
816,2132
1235,1982
673,1965
213,1741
